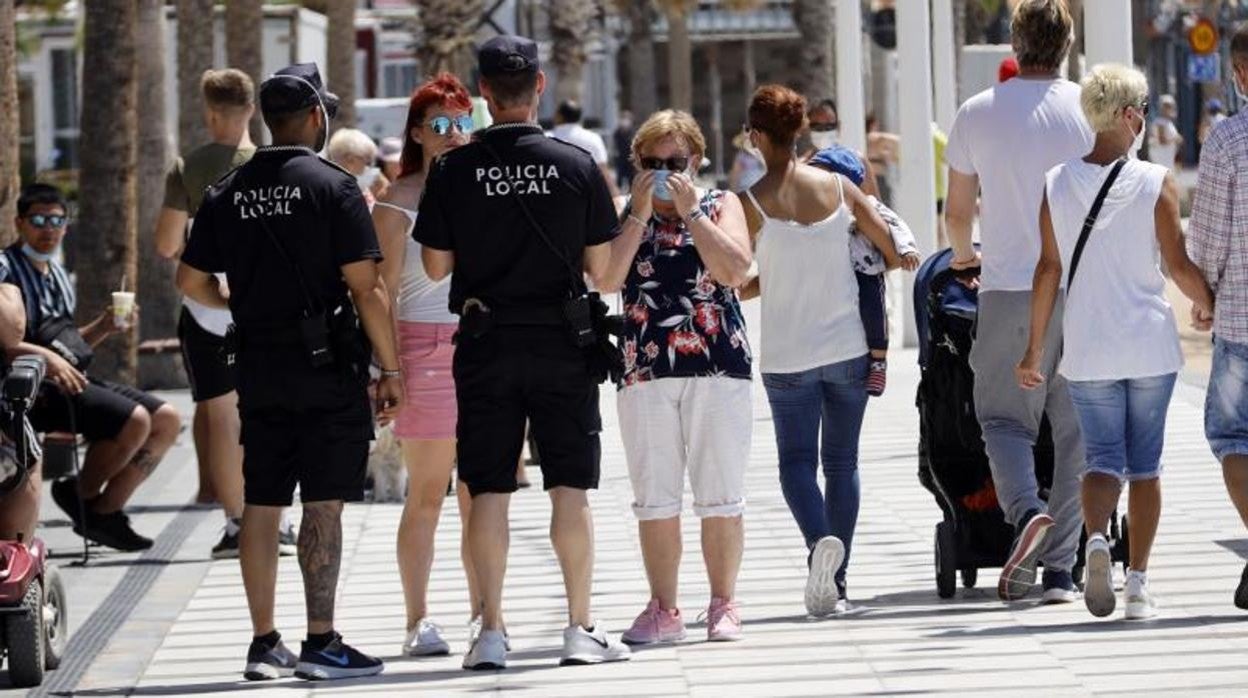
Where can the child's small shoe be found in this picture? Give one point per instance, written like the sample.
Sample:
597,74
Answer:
877,377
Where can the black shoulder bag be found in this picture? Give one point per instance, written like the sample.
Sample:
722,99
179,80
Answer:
585,313
1090,221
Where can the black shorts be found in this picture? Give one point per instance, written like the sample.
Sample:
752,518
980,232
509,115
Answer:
203,355
301,426
517,375
99,412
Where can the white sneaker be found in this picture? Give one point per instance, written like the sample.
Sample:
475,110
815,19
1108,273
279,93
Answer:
425,640
822,596
1140,602
581,646
474,629
1098,593
487,651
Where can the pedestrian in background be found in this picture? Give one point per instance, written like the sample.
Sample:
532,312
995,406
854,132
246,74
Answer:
1164,140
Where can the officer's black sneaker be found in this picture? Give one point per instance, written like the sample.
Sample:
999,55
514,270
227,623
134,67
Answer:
65,494
269,659
335,660
287,542
227,547
114,531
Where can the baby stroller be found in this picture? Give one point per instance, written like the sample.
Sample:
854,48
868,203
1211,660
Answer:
952,463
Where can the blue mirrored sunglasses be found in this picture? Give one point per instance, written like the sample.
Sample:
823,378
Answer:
441,125
40,220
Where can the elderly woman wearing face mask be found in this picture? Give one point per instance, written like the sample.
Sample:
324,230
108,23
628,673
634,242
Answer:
1121,351
355,152
684,402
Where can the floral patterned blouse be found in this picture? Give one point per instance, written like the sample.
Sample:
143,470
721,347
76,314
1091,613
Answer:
678,322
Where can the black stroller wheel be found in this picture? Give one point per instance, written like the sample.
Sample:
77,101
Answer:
946,560
970,575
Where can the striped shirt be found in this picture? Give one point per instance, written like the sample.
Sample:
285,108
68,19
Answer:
1217,234
47,295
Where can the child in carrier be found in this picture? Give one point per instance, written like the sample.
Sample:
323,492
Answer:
869,262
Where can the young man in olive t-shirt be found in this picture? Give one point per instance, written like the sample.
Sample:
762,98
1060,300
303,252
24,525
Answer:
229,101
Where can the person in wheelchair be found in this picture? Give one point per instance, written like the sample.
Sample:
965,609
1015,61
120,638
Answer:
128,430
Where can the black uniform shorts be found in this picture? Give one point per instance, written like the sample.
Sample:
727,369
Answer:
203,355
99,411
302,426
516,375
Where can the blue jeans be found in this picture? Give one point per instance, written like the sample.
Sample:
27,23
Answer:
1226,402
1124,424
834,396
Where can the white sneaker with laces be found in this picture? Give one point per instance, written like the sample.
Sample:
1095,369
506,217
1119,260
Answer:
425,640
593,646
822,595
1098,591
474,629
1140,602
487,651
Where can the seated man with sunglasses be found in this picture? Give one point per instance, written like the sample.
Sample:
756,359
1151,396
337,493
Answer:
128,430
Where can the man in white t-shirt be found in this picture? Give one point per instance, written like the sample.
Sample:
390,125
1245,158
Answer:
1002,143
1164,139
568,129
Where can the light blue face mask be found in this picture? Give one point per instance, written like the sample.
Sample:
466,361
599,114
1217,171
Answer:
35,255
662,192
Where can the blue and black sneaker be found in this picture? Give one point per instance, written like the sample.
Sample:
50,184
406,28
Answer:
267,661
335,660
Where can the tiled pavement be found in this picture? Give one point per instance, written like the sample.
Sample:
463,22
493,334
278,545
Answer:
905,640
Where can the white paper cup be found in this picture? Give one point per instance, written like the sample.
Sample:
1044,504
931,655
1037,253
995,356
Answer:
123,308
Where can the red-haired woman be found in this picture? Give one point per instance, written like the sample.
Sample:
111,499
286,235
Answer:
813,356
438,119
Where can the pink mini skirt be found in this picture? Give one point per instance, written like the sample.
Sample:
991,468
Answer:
429,413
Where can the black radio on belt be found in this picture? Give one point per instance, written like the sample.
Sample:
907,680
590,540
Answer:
314,330
578,313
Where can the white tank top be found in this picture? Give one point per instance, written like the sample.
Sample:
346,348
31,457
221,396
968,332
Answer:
809,292
421,299
1117,322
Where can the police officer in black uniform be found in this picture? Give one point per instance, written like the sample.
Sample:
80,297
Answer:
293,236
519,217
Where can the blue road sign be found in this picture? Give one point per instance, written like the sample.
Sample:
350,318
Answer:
1204,67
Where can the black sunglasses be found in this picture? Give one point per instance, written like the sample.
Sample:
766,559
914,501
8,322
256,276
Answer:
441,125
820,128
679,163
44,221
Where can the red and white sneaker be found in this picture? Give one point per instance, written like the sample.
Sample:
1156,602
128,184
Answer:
877,377
655,625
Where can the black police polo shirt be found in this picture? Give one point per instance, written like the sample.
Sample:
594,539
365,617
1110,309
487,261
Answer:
314,209
469,207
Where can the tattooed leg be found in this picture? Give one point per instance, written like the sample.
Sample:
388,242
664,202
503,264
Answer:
159,429
320,553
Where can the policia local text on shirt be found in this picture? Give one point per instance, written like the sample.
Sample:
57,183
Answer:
293,236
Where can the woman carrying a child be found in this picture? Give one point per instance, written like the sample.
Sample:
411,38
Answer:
814,356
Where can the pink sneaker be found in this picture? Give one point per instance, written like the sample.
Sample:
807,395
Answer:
655,625
723,624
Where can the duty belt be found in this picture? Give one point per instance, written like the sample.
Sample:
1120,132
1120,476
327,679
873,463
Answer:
518,316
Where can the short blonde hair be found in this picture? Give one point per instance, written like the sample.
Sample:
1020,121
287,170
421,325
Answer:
669,122
350,142
227,89
1041,32
1107,90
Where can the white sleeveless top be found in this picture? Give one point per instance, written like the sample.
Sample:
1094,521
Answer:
1117,324
421,299
809,292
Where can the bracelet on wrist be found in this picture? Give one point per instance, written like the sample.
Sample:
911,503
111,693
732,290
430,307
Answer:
636,220
391,374
695,214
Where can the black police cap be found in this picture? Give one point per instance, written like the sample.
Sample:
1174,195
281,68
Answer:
296,87
505,55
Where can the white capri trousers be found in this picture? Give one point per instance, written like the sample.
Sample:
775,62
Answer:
701,424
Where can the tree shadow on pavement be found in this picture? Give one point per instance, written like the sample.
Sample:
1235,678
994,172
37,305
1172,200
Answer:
1089,626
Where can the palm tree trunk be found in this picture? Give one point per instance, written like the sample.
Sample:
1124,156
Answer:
159,319
679,55
816,73
570,26
106,216
341,59
10,148
244,38
194,57
641,69
446,29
